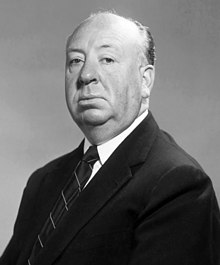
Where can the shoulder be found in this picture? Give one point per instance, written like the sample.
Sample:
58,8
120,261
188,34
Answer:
169,170
44,181
170,175
168,154
47,171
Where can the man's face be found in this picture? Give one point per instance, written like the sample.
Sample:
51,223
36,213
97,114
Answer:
103,77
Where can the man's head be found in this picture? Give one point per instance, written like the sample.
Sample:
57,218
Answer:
109,74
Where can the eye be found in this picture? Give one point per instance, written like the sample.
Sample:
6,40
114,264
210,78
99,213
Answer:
108,60
75,61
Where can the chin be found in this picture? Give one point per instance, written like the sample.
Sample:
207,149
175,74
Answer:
94,118
93,121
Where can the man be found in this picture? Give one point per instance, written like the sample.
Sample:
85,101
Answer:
146,201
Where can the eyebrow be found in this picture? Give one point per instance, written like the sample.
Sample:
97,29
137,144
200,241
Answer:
74,50
108,46
100,47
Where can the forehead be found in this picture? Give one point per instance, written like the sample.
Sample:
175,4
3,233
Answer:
104,30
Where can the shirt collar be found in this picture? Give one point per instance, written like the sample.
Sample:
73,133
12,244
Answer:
107,148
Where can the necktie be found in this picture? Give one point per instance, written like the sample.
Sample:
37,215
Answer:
68,195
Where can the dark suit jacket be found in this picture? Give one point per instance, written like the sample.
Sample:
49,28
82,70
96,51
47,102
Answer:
150,203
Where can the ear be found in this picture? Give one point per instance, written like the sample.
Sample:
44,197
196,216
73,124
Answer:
148,75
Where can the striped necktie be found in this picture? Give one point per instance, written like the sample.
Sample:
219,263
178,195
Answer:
68,195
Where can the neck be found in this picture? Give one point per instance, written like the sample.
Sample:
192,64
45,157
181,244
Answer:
101,134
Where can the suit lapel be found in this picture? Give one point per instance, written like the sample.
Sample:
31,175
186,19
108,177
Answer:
113,175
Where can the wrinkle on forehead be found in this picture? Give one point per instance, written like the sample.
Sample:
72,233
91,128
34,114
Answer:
105,22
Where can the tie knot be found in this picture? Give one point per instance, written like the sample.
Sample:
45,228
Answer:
91,155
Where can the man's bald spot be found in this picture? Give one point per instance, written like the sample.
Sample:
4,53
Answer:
108,20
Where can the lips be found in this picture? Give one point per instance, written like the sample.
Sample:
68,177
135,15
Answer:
89,101
87,97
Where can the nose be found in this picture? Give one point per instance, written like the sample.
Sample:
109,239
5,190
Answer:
88,74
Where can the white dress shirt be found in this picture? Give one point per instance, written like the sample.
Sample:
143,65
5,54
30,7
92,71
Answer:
107,148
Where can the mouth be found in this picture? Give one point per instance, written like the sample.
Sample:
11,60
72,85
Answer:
89,101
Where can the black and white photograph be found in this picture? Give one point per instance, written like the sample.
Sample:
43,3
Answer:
110,132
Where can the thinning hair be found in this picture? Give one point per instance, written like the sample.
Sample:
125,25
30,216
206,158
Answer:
148,45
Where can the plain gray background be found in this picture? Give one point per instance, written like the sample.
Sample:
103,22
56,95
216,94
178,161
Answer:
35,124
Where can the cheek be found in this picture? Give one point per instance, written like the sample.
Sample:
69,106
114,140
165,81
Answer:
117,88
135,83
70,88
111,75
115,79
109,81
